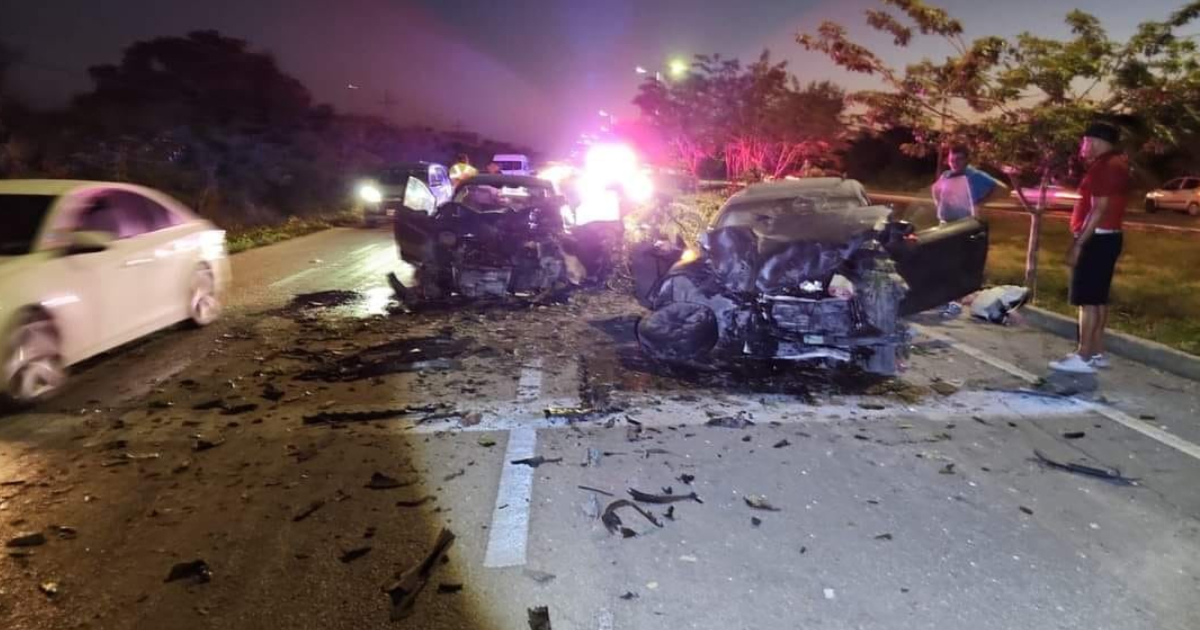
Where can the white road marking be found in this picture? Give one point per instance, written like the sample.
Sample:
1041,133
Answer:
509,534
1111,413
529,386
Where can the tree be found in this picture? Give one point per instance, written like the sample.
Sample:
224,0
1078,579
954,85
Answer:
1023,104
757,118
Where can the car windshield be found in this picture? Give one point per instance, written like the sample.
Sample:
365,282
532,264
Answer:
482,197
21,217
511,166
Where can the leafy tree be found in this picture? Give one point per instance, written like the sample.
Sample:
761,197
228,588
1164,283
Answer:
1024,103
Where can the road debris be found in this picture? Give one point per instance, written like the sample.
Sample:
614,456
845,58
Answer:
1108,474
50,589
272,393
534,462
541,577
64,532
612,521
29,539
645,497
944,388
404,591
884,537
237,410
629,596
597,491
594,455
367,415
579,414
782,443
393,357
670,513
830,594
755,521
471,419
449,588
308,511
687,479
760,502
202,444
486,441
455,475
740,421
1025,510
539,618
197,570
948,469
380,481
354,554
412,503
1073,435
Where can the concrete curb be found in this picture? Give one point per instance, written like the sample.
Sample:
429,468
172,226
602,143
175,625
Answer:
1147,352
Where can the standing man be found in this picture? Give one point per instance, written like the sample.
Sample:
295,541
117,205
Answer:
1096,223
462,170
959,192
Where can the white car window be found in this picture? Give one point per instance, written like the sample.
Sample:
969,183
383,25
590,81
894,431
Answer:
1191,184
1173,184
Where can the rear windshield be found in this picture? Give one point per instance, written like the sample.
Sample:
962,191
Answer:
21,217
511,166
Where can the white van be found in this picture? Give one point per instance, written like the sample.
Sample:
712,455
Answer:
512,163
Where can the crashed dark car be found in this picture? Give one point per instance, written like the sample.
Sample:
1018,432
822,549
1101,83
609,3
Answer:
803,270
500,235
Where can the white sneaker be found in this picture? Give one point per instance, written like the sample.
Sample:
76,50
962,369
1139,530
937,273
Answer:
1072,363
1099,361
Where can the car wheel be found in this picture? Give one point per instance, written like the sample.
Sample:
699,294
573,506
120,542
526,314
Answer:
1194,209
33,368
204,303
1151,207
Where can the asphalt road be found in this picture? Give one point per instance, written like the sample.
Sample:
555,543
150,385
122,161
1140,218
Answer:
909,503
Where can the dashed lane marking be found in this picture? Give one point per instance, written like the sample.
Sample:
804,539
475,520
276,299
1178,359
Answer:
509,534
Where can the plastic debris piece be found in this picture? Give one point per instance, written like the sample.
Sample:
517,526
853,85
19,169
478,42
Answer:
1108,474
760,502
645,497
354,554
29,539
541,577
308,511
412,503
380,481
539,618
197,570
534,462
612,521
404,591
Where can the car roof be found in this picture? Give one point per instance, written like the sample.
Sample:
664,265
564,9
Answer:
793,188
527,181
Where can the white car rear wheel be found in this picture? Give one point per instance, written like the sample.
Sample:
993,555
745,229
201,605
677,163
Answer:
33,368
204,303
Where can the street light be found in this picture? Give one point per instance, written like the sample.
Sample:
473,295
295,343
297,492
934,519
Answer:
640,70
678,68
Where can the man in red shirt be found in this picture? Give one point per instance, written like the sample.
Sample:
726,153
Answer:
1096,223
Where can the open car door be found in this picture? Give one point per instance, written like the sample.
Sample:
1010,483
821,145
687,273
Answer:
942,264
414,223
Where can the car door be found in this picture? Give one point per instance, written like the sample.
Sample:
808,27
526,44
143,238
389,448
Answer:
1188,193
413,226
1171,195
941,264
165,239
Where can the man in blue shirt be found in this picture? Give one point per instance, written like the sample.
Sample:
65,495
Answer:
960,192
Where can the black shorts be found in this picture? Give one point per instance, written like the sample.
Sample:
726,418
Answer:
1092,277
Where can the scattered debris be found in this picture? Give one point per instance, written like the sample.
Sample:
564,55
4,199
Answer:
670,513
782,443
871,406
755,521
393,357
354,554
308,511
1026,510
830,594
366,415
760,502
237,410
380,481
1073,435
202,444
591,507
196,570
272,393
688,559
449,588
486,441
687,479
612,521
404,591
883,537
629,596
455,475
412,503
541,577
539,618
64,532
948,469
13,482
50,589
597,491
579,414
594,455
740,421
534,462
644,497
30,539
1108,474
944,388
471,419
209,405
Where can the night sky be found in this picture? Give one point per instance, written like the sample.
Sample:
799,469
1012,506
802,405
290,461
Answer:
521,70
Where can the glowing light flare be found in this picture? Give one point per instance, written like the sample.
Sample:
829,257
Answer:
370,193
689,255
678,67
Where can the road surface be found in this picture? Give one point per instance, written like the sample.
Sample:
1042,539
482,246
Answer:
908,503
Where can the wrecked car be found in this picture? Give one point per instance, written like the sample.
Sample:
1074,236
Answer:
803,270
500,235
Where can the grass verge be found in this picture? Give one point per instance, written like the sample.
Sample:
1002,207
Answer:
242,239
1156,291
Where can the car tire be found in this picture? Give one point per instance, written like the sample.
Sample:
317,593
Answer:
1151,207
1194,209
33,366
204,299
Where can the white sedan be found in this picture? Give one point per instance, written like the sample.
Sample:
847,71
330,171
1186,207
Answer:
88,266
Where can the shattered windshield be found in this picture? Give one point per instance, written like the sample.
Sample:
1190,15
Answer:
484,198
21,217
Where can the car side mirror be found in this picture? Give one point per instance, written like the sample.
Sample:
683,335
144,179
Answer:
89,242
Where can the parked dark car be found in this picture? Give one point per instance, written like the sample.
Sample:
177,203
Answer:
802,270
383,194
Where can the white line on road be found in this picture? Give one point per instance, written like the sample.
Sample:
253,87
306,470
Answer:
529,386
1111,413
509,534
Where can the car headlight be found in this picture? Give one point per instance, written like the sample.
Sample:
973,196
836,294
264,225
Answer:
370,194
